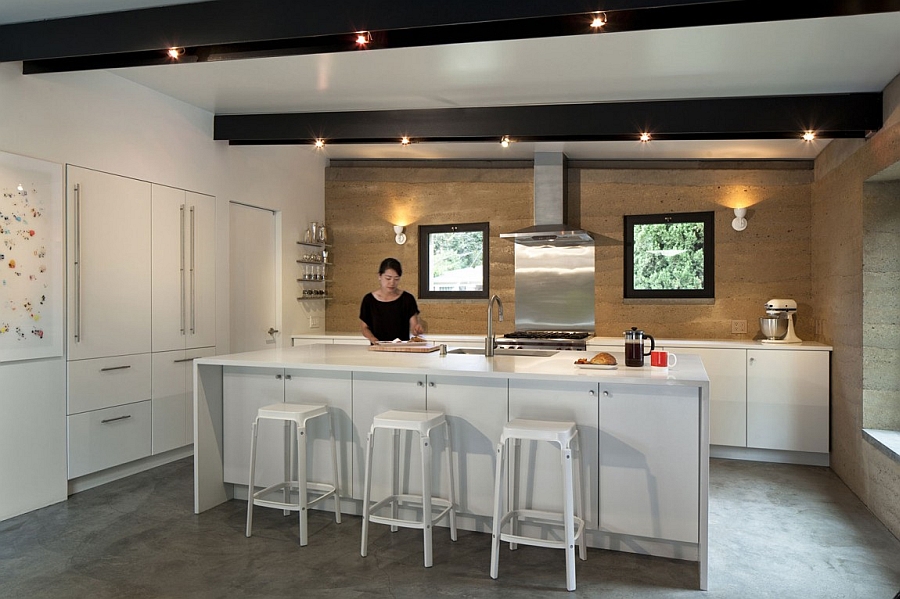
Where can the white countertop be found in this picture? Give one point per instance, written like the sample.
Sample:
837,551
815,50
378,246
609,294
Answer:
608,341
688,371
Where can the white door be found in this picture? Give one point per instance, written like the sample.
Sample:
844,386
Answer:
254,285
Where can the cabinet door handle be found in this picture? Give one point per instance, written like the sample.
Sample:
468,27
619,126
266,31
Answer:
420,383
193,292
592,393
278,377
751,361
77,262
181,218
108,368
431,383
606,394
183,360
108,420
287,377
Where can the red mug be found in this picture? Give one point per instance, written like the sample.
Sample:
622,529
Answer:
662,359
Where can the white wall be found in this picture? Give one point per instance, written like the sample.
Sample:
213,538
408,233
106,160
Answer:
101,121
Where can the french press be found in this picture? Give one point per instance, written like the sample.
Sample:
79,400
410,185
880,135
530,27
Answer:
634,347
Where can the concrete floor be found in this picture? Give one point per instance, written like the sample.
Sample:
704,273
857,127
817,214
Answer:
775,530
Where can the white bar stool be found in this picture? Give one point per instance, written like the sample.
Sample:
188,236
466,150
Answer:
565,435
422,423
298,415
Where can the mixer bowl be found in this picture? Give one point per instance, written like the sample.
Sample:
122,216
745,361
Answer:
773,327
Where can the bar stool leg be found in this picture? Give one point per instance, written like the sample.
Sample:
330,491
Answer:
568,516
515,456
367,491
449,449
427,515
579,498
498,503
335,472
250,486
395,476
301,485
288,462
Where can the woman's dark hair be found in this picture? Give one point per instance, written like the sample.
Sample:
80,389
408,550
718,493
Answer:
392,264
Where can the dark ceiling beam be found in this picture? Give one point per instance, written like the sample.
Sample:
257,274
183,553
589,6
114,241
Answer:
237,29
778,117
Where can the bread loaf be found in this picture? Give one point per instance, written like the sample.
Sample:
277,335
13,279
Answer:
603,359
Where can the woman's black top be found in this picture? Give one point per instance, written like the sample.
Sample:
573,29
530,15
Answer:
389,320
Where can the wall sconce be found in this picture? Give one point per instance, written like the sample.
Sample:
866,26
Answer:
400,236
739,223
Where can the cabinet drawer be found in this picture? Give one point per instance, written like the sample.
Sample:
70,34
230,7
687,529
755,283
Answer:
106,382
106,438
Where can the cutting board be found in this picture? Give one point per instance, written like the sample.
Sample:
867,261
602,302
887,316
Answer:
399,347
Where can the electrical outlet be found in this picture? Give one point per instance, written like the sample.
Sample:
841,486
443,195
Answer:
314,322
738,326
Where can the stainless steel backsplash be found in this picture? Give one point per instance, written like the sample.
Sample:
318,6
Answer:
555,288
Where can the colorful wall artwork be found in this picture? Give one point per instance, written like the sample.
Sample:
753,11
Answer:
31,258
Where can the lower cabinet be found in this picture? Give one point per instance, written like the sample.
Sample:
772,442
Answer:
649,456
476,411
555,400
173,398
108,412
774,399
245,390
787,400
105,438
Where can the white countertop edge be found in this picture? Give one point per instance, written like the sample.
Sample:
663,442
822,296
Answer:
611,342
689,371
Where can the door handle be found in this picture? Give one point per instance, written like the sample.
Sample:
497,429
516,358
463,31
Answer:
272,331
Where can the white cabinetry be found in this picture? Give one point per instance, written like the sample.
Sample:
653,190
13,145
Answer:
108,239
649,479
245,390
561,401
184,308
787,400
727,370
476,411
173,414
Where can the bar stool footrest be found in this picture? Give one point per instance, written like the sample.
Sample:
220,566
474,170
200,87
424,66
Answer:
414,501
325,489
538,517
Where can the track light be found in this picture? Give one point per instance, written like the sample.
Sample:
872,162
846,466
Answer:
404,141
809,136
175,53
645,137
598,20
504,141
363,38
320,143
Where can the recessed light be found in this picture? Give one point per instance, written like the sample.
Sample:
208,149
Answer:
320,143
645,137
175,53
598,20
809,136
363,38
404,141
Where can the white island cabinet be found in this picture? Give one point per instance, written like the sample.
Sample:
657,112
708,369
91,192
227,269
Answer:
644,436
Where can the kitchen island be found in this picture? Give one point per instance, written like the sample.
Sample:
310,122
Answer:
644,432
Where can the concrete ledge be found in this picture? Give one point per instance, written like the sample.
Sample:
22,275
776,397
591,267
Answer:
887,442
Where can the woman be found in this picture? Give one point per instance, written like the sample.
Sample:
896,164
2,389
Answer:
389,313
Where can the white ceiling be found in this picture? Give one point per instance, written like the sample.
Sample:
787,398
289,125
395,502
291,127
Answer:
814,56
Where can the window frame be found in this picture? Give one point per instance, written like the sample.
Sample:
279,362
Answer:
425,231
707,218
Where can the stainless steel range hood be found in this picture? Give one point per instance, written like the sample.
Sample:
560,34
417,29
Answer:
550,207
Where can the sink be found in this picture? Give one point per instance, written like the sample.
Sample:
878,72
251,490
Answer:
540,353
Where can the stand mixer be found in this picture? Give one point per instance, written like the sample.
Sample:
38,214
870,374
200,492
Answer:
783,308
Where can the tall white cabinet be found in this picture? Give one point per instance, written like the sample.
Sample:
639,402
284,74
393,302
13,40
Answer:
141,304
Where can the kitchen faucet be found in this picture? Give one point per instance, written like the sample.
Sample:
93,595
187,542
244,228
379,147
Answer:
489,340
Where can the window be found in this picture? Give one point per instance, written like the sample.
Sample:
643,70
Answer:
670,255
453,261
